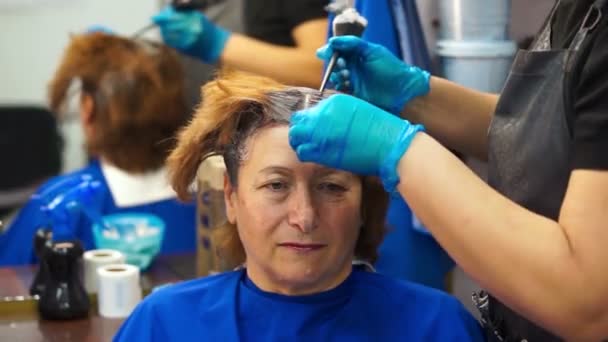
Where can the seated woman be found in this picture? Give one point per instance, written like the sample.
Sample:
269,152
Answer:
131,104
297,230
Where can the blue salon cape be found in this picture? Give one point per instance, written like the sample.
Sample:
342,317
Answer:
365,307
16,246
406,253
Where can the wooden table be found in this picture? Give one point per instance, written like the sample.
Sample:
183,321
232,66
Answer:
19,319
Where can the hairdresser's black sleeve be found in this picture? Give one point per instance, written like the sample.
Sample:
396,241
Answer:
589,118
274,20
299,11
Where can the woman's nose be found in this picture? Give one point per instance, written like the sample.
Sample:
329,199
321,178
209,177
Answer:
302,214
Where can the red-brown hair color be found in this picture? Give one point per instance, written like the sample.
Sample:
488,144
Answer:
138,92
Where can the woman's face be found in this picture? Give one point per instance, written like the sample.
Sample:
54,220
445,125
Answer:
298,222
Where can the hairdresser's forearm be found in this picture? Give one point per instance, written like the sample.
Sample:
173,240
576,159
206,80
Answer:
457,116
535,265
290,65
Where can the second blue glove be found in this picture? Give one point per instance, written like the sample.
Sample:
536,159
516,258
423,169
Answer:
192,33
374,73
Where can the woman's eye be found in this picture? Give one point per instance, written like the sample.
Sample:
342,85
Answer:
276,186
331,188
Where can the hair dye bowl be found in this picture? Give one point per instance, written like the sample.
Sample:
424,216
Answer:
138,236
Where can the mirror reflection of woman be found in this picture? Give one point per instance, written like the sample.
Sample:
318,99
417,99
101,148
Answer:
131,103
297,229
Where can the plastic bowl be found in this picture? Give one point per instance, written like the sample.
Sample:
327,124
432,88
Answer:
138,236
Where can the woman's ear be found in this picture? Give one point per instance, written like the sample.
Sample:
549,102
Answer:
230,199
87,110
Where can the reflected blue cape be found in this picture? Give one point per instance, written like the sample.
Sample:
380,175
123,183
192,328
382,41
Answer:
16,246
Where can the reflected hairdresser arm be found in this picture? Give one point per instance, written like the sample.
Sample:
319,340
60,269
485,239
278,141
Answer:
192,33
293,65
552,272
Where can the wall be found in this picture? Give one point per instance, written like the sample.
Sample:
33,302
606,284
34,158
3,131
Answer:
528,16
33,35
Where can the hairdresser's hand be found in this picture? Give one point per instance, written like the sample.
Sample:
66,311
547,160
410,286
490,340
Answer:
347,133
374,73
192,33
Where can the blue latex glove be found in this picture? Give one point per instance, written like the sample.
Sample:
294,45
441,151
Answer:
374,74
347,133
99,28
190,32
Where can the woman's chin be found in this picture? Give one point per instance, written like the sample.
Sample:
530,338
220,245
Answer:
300,276
296,280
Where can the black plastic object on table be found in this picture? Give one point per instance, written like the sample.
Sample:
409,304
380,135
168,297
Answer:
64,296
41,239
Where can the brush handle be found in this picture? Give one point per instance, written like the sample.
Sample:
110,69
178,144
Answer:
330,67
347,23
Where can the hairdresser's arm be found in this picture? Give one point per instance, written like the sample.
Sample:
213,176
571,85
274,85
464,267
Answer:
457,116
553,272
292,65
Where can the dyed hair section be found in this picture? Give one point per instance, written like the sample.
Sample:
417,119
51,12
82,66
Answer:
234,107
138,93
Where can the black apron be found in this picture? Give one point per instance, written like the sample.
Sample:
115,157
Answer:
529,150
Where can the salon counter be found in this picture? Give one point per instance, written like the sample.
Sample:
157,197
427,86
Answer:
19,319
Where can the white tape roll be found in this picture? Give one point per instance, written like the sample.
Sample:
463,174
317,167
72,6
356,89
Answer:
94,259
119,290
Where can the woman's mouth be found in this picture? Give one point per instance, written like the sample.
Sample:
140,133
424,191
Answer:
302,247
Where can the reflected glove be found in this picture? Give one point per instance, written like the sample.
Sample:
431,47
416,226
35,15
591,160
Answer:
347,133
374,74
99,28
190,32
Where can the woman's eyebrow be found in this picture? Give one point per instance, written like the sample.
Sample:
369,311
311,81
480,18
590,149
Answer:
275,169
326,171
